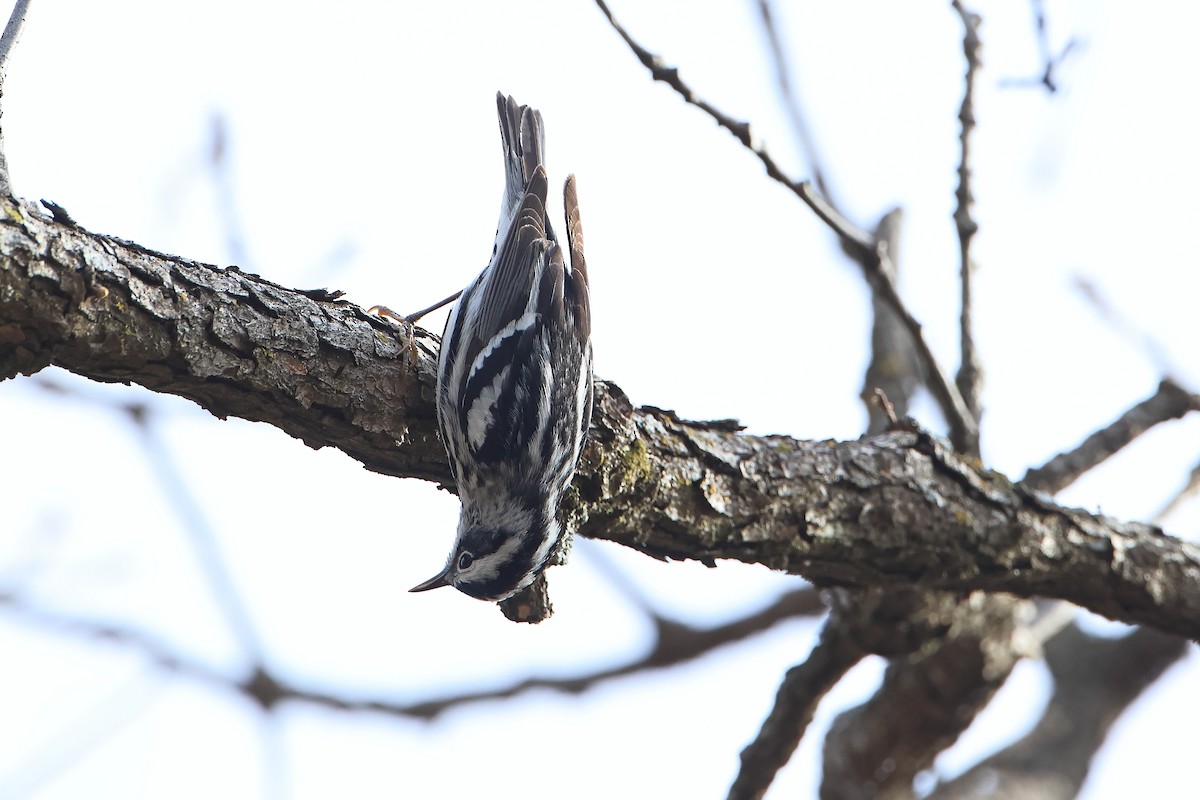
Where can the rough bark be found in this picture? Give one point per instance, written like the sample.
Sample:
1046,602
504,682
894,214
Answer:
894,509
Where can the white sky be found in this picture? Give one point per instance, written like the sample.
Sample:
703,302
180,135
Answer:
366,159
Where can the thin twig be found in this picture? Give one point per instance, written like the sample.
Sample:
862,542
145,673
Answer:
970,376
961,422
1050,62
1171,401
853,236
12,32
869,253
795,704
790,101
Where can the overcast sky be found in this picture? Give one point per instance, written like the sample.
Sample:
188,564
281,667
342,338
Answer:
362,154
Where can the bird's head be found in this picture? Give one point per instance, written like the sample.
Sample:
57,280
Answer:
493,563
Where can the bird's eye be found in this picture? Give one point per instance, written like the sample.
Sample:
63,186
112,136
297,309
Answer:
465,560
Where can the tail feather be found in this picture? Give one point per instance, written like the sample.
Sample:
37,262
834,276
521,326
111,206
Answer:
524,140
577,289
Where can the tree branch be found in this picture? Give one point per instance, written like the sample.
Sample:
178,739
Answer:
795,704
1095,680
791,104
8,40
863,247
895,366
926,700
1171,401
674,643
895,509
322,370
970,375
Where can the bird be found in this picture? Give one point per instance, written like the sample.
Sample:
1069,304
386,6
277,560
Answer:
514,382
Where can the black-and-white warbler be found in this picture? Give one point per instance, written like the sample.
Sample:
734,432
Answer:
514,393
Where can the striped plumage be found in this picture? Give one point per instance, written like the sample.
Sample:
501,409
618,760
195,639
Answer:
514,396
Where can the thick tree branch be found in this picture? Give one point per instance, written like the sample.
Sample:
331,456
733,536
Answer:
926,701
884,742
1095,681
319,369
896,509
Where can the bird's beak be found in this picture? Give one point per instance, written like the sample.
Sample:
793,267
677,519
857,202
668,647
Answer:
441,579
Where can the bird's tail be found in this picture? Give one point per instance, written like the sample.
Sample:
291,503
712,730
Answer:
524,140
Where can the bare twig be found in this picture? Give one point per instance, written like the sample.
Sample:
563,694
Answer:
795,704
852,235
868,252
1050,62
885,405
1171,401
12,32
790,101
970,376
963,427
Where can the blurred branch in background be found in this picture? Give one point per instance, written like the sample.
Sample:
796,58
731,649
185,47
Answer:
1190,489
673,643
1095,680
86,732
1051,61
1129,330
791,102
227,196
